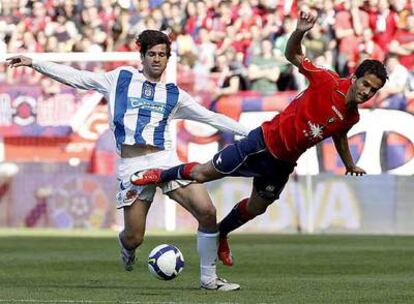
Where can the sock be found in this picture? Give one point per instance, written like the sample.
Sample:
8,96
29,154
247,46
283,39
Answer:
237,217
207,250
178,172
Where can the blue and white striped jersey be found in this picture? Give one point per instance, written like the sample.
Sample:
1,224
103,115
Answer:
140,111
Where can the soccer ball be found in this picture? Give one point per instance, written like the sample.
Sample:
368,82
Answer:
165,262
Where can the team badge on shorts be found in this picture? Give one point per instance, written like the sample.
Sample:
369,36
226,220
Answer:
126,197
130,195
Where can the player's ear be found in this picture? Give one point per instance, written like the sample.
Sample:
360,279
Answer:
353,78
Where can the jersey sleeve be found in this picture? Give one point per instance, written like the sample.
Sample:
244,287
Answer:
189,109
101,82
315,74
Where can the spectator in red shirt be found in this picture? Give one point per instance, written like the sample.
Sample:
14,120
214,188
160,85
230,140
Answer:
383,22
349,23
403,43
38,19
190,24
369,46
327,108
219,22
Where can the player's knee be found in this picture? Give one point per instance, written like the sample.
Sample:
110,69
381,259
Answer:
207,218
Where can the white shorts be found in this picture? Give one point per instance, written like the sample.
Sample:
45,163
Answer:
129,193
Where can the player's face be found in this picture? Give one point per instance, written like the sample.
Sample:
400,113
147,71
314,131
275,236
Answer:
155,61
364,88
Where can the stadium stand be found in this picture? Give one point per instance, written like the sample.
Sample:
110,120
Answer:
220,46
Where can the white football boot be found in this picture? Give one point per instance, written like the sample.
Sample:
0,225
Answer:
220,284
127,256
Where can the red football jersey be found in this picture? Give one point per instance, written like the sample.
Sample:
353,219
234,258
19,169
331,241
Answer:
315,114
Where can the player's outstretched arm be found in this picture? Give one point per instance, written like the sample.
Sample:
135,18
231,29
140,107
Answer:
293,50
189,109
342,147
65,74
18,61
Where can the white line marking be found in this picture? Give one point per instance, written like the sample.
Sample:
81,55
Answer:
97,301
78,301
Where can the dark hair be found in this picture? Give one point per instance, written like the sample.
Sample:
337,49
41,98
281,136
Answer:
371,66
149,38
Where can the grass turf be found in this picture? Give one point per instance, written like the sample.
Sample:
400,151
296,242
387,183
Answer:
58,267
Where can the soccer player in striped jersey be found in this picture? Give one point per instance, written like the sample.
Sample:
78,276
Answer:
141,108
327,108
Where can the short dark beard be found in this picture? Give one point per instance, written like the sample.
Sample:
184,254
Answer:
151,75
350,102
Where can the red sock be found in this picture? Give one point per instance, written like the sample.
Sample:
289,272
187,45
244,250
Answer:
185,172
237,217
244,213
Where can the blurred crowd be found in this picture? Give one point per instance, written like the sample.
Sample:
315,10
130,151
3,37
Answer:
239,43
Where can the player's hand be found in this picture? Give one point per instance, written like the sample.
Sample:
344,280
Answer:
355,171
19,60
305,21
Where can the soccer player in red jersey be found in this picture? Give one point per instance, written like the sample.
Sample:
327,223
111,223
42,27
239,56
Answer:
327,108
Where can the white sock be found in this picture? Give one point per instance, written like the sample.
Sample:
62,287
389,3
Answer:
207,249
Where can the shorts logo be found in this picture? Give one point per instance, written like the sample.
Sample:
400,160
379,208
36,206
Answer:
270,188
130,195
219,160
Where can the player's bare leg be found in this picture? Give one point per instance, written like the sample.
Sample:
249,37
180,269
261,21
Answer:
196,200
133,234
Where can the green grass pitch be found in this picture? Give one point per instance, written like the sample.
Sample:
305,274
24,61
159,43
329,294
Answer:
82,267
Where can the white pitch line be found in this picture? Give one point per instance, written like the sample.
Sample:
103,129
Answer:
83,302
66,301
98,302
